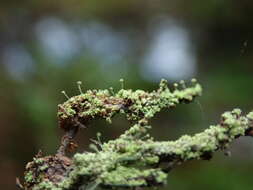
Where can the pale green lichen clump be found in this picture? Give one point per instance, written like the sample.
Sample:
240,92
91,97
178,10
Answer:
131,161
134,159
134,104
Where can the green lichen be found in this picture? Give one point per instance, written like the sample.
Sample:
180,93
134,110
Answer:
127,161
134,159
46,185
132,177
250,116
43,167
135,104
29,177
38,161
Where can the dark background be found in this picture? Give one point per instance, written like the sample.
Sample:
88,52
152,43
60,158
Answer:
46,46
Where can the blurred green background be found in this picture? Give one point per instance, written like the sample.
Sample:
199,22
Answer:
46,46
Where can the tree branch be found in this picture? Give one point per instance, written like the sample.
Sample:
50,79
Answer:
134,159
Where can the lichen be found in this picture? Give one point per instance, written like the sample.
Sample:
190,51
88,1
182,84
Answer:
132,177
29,177
46,185
134,159
135,104
127,161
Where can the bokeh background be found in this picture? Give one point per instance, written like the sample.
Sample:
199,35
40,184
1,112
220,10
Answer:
46,46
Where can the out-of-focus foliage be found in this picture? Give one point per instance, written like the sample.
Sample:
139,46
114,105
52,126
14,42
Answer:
46,46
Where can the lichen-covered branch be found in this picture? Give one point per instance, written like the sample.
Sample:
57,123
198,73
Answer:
134,104
134,159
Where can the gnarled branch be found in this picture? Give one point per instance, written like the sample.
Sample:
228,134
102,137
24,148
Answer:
134,159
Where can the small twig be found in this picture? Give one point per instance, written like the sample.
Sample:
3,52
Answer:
66,140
